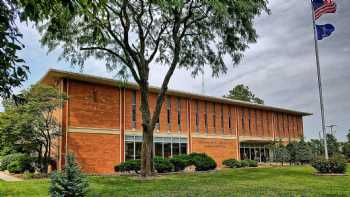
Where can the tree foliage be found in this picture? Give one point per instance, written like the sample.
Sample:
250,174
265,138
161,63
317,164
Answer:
132,36
242,92
332,145
304,153
71,182
30,126
13,70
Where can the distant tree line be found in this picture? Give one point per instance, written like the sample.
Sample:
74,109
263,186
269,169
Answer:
303,152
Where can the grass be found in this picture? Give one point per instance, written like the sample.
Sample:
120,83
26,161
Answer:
286,181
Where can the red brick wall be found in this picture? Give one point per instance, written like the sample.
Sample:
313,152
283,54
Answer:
219,149
94,106
98,106
95,153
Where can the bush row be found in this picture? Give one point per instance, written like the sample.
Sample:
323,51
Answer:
16,163
336,164
201,161
233,163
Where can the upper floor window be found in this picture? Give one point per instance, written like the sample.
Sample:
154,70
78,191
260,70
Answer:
206,117
249,119
168,109
197,116
256,119
222,118
229,118
243,126
214,117
178,113
133,109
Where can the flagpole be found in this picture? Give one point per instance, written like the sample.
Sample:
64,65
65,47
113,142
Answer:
319,83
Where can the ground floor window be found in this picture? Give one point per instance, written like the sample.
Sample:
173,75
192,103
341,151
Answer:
257,152
162,146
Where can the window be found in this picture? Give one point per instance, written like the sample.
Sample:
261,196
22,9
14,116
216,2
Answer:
163,146
214,117
133,109
256,119
206,117
222,118
197,116
168,107
133,146
242,118
178,114
229,118
249,119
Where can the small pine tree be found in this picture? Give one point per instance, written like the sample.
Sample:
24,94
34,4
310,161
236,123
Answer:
69,183
303,153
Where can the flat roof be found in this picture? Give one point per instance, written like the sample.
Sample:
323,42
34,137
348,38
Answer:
54,73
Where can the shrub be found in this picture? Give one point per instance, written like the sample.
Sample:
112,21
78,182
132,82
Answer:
129,166
69,182
252,163
16,163
202,161
162,165
180,162
336,164
244,163
232,163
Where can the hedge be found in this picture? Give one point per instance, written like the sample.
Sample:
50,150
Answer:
336,164
233,163
16,163
202,161
180,162
162,165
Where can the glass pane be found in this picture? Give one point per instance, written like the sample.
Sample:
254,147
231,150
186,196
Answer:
183,148
158,149
167,150
138,146
129,150
176,149
242,153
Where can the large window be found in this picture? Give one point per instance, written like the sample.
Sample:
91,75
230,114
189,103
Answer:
133,146
257,152
133,109
163,146
229,119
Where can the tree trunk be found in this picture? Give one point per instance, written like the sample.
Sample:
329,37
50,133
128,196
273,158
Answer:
147,152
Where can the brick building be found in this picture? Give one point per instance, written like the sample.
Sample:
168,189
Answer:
101,124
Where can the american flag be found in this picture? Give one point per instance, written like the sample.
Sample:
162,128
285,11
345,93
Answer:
323,7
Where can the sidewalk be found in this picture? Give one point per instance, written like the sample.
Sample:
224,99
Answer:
9,178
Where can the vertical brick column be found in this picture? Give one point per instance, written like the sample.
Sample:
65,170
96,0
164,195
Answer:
122,123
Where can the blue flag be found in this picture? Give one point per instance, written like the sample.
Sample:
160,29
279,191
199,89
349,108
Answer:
324,31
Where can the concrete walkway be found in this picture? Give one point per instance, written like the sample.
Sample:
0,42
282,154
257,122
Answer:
8,178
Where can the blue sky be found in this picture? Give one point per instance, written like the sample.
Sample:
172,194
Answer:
280,68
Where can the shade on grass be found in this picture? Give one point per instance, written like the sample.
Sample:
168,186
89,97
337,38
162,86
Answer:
287,181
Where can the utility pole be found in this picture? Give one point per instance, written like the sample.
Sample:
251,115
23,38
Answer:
331,127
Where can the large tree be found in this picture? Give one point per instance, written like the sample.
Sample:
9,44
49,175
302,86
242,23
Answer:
131,36
243,93
13,71
31,126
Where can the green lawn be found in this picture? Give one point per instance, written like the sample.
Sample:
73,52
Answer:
287,181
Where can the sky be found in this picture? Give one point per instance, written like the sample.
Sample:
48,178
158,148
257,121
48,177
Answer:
280,68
